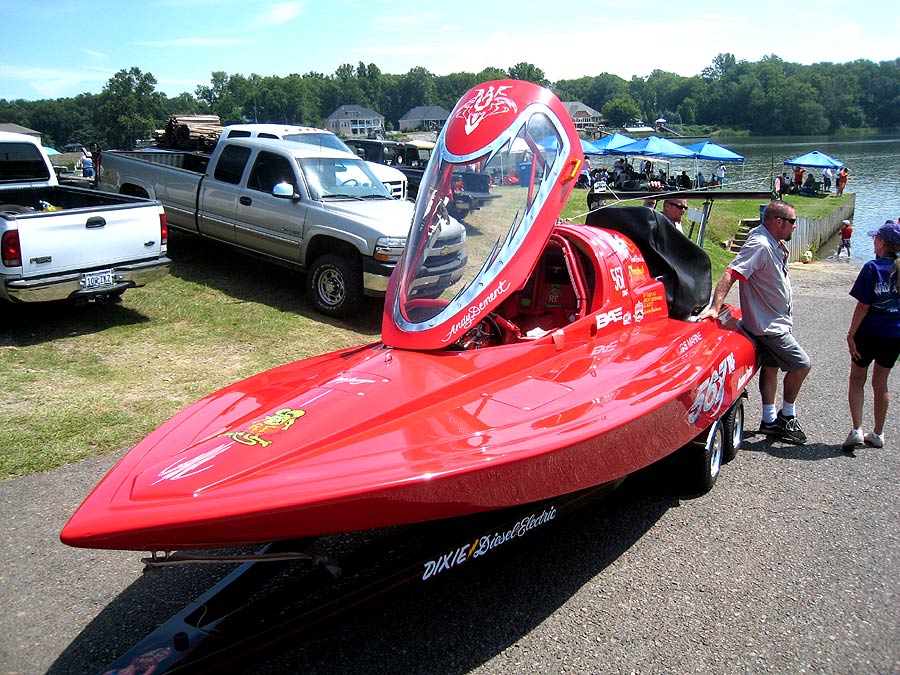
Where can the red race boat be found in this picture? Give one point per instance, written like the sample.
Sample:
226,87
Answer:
565,357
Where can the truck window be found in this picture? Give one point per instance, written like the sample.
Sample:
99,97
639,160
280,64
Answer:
238,133
230,166
269,170
22,162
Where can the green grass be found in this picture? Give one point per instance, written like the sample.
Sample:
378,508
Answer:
81,381
725,218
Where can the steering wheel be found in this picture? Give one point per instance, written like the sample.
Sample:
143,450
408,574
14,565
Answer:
486,333
350,182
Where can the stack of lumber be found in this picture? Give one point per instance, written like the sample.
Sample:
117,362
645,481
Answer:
189,132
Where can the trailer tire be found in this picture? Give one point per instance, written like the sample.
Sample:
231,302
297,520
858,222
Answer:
733,421
334,284
703,461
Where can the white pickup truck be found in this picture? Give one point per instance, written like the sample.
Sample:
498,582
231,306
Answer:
312,207
60,243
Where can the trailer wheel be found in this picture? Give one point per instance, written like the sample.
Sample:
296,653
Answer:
704,461
733,421
334,284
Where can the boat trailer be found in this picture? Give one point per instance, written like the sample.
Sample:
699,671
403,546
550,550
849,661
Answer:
284,588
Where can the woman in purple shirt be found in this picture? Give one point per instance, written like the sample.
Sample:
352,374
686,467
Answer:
874,334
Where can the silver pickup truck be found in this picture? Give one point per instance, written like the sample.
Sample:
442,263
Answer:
311,207
62,243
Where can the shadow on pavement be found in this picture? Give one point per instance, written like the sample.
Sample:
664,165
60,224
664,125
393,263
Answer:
449,624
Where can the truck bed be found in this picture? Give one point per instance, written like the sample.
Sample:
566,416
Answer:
62,197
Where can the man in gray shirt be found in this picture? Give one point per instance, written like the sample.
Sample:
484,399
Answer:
761,268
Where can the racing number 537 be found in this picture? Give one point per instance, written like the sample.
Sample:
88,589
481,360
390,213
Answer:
712,390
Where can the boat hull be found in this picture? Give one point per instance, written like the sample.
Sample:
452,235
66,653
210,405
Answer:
374,437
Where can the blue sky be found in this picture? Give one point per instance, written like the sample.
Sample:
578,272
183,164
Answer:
56,48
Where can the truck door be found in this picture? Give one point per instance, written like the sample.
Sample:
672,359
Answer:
268,224
219,194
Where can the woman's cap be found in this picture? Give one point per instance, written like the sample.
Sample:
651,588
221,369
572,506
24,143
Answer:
890,232
846,222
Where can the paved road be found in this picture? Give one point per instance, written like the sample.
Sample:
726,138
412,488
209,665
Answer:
790,565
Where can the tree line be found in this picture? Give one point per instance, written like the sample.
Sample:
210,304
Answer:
767,97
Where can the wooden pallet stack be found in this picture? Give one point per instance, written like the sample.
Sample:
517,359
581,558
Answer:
190,132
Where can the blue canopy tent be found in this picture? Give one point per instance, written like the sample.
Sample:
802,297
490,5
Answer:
711,151
51,151
589,148
660,149
707,150
815,159
609,144
654,146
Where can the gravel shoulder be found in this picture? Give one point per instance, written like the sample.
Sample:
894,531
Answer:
790,565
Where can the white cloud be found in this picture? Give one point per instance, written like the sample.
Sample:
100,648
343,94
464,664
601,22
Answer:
196,42
54,82
94,55
279,13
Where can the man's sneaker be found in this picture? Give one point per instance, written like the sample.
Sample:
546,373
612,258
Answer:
854,440
773,428
875,440
790,429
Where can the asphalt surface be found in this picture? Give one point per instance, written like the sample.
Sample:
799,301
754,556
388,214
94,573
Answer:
790,565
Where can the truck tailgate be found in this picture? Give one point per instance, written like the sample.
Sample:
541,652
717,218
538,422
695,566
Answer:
59,241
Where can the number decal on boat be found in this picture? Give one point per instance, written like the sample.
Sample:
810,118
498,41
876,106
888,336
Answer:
712,390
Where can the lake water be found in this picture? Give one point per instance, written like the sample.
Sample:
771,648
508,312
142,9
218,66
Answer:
874,164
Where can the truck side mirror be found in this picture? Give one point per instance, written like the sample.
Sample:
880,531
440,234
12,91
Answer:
284,190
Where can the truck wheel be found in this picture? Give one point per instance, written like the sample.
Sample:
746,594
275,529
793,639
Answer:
334,284
460,209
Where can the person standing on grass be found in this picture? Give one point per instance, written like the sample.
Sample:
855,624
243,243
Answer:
842,178
761,267
874,334
720,174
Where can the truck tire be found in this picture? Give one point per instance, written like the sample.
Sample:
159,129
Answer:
334,284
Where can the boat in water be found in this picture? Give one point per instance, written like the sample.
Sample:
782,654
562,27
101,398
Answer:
567,356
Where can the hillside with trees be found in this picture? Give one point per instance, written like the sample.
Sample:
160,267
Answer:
767,97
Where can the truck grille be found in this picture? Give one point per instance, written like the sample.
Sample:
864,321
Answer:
396,189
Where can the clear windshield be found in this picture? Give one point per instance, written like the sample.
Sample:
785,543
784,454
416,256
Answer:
339,178
496,193
325,140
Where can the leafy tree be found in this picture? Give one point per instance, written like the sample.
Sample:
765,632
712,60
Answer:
687,111
620,111
490,73
220,99
605,87
770,96
415,88
129,108
529,73
449,88
719,68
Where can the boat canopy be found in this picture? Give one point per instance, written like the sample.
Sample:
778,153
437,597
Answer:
505,128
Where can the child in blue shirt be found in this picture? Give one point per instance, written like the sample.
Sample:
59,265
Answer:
874,333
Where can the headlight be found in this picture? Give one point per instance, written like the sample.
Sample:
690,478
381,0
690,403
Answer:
388,249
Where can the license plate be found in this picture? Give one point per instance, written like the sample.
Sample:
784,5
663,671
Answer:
97,279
